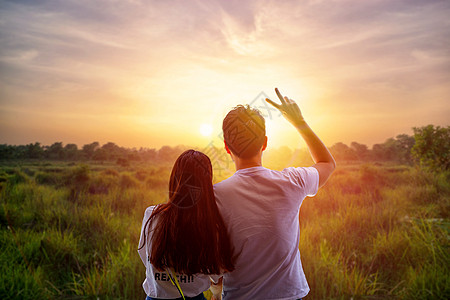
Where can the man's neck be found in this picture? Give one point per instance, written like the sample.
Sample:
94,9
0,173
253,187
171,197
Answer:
247,163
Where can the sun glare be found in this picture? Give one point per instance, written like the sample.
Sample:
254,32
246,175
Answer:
206,129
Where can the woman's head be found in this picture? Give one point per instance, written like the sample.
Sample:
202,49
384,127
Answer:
189,234
190,180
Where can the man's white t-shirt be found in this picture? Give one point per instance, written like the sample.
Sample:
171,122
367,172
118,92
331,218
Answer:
260,208
157,284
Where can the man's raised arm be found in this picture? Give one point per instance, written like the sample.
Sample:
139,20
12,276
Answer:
324,161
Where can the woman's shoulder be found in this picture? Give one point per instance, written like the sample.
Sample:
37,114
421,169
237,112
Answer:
149,211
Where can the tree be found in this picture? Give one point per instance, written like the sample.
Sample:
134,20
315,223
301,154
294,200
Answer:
169,154
89,149
361,150
6,151
432,147
391,148
55,151
71,151
100,154
34,151
113,151
394,149
379,152
405,144
148,154
342,152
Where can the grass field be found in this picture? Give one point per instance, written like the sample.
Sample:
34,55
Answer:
71,231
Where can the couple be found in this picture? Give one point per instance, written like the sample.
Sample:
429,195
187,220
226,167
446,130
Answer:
240,238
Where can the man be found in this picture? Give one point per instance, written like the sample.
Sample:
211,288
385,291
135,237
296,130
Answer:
260,207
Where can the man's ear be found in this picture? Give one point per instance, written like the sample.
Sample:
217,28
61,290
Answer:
264,144
226,147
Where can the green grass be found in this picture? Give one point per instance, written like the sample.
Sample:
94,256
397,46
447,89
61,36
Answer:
377,232
71,231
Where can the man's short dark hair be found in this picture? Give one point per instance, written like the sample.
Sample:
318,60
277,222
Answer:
244,131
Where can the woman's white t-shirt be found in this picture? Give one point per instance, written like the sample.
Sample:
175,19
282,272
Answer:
157,284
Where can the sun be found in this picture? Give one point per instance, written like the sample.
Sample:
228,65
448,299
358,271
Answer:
206,129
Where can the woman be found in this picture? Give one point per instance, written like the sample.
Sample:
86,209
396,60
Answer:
184,240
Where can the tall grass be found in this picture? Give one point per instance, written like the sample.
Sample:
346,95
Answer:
72,232
378,232
373,232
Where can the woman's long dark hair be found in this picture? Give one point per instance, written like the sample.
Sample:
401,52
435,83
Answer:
189,234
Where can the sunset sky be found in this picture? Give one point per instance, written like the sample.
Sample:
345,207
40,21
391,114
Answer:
153,73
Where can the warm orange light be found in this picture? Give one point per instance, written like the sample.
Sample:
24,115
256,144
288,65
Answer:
206,129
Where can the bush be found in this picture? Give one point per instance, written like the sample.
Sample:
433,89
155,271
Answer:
123,162
157,183
78,176
47,178
3,177
111,172
370,174
127,181
141,175
101,184
28,171
18,177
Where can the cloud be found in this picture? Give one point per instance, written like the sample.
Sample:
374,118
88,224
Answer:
139,58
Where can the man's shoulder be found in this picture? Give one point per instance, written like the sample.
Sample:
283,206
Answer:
300,171
223,183
300,177
297,169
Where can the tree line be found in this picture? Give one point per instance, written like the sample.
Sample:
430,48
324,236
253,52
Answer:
89,152
429,146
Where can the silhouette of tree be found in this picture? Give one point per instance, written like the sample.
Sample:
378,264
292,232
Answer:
148,154
113,151
405,144
55,151
71,151
361,150
379,152
429,146
394,149
167,153
342,152
7,151
89,149
34,151
100,154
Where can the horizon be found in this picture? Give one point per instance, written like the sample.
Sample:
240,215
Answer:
149,74
212,142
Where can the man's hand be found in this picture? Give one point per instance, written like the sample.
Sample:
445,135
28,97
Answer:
325,163
289,109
